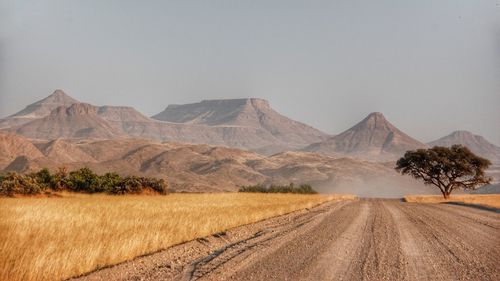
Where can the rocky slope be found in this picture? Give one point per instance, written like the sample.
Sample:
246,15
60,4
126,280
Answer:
206,168
374,138
477,144
13,146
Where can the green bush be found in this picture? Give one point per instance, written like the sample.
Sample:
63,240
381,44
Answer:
108,181
44,178
82,180
157,185
260,188
133,185
14,183
60,179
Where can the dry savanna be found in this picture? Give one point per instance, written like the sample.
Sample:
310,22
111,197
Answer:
490,200
61,237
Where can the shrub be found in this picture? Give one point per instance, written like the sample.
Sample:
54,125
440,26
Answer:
254,188
14,183
302,189
134,185
158,185
44,178
82,180
108,181
130,184
60,179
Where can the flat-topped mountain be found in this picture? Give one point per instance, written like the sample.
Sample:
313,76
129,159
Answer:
477,144
374,138
237,112
251,113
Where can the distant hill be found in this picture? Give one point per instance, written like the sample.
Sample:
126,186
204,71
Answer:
488,189
477,144
205,168
374,138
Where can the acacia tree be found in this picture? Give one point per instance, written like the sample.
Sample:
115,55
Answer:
446,168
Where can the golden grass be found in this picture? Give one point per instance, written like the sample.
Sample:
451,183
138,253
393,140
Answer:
56,238
491,200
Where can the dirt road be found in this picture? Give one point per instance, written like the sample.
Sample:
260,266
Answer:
357,240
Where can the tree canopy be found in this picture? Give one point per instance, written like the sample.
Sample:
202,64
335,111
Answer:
445,167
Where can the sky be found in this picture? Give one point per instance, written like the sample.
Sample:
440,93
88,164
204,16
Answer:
431,67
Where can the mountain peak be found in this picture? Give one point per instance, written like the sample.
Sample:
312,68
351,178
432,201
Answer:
476,143
375,121
58,97
462,133
43,107
376,115
374,138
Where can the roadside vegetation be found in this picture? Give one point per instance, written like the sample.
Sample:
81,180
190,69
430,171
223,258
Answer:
291,188
489,200
83,180
60,237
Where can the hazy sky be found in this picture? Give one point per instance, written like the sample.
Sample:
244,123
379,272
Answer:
430,66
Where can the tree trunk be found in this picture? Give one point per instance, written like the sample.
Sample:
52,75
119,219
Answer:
446,195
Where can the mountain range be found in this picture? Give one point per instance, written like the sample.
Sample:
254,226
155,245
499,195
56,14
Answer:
215,145
242,123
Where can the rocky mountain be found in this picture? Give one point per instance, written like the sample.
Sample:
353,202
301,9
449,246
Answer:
477,144
374,138
247,117
243,123
206,168
38,109
79,120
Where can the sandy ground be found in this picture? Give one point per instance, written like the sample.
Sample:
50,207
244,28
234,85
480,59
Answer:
369,239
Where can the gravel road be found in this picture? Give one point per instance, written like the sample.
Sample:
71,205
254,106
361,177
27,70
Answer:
368,239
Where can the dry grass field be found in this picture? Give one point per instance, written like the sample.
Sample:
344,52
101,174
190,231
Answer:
56,238
491,200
